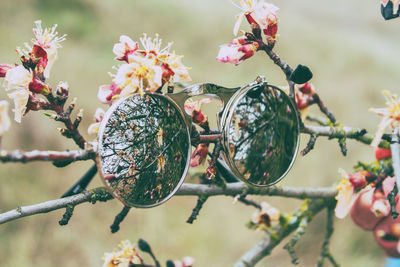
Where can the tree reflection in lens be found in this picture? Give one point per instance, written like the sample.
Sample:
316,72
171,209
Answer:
263,135
144,150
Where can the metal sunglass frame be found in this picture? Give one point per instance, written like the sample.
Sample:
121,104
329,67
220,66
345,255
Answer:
229,97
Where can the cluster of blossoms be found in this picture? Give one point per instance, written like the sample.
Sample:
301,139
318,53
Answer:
143,70
367,197
262,17
28,79
127,256
124,257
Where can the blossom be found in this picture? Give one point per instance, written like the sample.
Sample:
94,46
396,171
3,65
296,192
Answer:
237,51
126,256
266,216
390,114
20,98
140,75
170,62
348,191
259,12
4,119
124,48
49,41
18,79
98,117
146,69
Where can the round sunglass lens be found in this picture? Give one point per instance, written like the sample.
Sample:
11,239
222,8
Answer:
263,135
144,147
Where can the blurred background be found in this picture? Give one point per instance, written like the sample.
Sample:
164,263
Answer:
351,50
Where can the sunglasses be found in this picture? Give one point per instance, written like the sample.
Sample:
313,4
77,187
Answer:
144,145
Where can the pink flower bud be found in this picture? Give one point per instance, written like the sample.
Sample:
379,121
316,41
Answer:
199,117
199,155
37,86
99,114
237,51
106,92
303,100
358,179
3,69
306,88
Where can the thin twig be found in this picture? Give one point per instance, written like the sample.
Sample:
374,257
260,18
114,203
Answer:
249,202
325,245
310,145
340,132
119,218
295,238
200,202
232,189
323,108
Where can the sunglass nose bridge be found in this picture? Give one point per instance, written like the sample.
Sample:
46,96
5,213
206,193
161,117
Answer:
223,93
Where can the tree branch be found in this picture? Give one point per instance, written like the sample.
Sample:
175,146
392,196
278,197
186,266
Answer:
232,189
93,195
36,155
264,248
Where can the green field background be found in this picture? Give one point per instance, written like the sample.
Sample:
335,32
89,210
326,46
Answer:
353,53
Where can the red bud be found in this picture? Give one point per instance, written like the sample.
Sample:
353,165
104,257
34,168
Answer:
38,87
271,30
382,153
306,88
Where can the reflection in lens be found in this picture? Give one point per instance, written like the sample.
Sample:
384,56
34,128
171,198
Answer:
263,135
144,150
